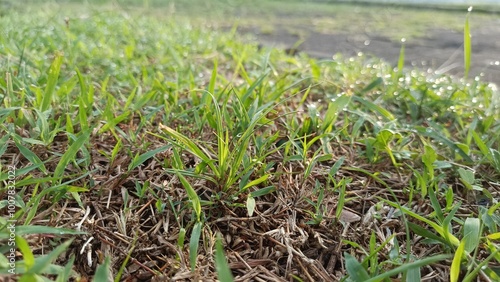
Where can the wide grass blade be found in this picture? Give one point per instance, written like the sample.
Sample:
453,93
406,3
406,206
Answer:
223,271
355,269
194,242
103,272
472,230
29,259
414,275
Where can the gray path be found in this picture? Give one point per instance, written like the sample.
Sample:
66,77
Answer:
440,50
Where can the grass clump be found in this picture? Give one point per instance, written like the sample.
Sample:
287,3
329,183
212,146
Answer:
154,148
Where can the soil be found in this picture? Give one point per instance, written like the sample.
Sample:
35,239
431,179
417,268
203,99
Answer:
441,50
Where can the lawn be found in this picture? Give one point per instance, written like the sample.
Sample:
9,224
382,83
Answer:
143,143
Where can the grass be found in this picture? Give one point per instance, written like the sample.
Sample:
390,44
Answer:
138,147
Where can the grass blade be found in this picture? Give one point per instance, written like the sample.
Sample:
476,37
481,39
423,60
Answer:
194,242
223,270
103,272
41,263
355,269
71,153
38,229
66,273
53,76
189,145
138,160
193,197
472,234
32,157
455,265
407,267
467,44
29,259
256,182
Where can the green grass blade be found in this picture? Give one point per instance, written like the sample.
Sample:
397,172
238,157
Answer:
41,263
125,262
435,205
223,271
3,147
71,153
263,191
103,272
438,136
414,275
193,197
439,229
53,76
29,259
32,157
355,269
401,61
479,267
138,160
256,182
407,267
194,242
467,45
417,229
472,229
38,229
336,166
374,108
213,78
189,145
66,273
455,265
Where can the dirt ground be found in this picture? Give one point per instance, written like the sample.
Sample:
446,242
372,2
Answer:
440,50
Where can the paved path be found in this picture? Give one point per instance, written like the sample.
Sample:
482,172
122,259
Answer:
440,50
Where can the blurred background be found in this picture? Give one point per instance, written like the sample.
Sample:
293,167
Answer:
431,30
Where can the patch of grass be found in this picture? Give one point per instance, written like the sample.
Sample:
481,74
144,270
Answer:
163,147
